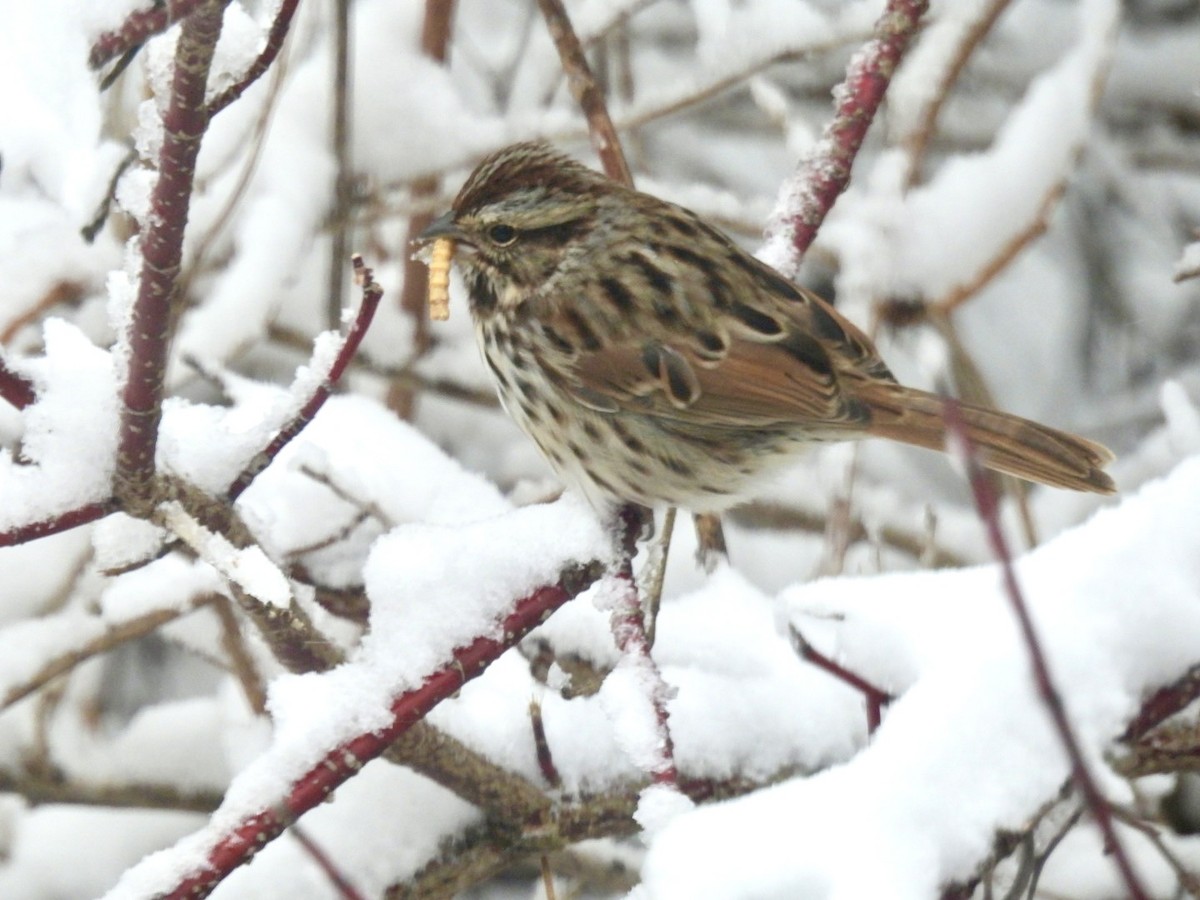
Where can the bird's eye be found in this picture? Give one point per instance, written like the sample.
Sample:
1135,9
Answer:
502,235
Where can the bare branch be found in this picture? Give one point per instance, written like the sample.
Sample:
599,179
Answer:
586,91
238,845
826,172
989,514
152,321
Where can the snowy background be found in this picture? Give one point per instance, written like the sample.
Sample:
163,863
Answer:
1022,224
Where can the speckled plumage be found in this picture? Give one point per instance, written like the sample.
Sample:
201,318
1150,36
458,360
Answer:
654,361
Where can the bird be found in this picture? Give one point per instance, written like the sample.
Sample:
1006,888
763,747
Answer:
655,362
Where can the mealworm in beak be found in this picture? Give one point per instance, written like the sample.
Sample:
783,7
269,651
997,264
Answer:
439,279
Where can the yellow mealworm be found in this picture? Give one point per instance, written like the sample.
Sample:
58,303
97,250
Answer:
439,278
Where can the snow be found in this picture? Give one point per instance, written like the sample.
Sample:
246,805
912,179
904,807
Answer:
70,431
968,723
976,203
413,576
439,524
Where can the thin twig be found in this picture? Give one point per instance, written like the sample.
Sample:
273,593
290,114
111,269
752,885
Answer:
917,142
824,174
241,663
343,188
337,878
629,631
82,515
545,757
217,534
16,389
38,789
113,637
875,698
138,27
371,294
1164,703
656,573
761,514
586,91
445,387
989,513
275,38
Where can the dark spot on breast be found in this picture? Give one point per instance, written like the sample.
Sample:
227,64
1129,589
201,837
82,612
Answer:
638,466
618,295
602,483
587,336
807,350
626,437
498,373
556,413
679,468
757,320
577,451
559,342
531,411
526,389
482,296
592,432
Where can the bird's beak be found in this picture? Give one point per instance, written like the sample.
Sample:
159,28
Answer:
441,227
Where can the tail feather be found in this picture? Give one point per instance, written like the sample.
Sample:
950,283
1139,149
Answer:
1004,442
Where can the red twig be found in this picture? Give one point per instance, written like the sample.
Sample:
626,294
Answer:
371,294
826,171
22,534
335,875
541,745
275,37
1164,703
138,27
16,389
875,698
346,760
629,631
184,124
986,502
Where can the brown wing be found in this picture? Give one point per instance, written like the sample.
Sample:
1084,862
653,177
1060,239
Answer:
786,358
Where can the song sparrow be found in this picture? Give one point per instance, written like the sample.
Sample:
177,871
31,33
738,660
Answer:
655,362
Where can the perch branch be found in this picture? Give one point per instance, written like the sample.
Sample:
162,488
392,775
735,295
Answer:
342,762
